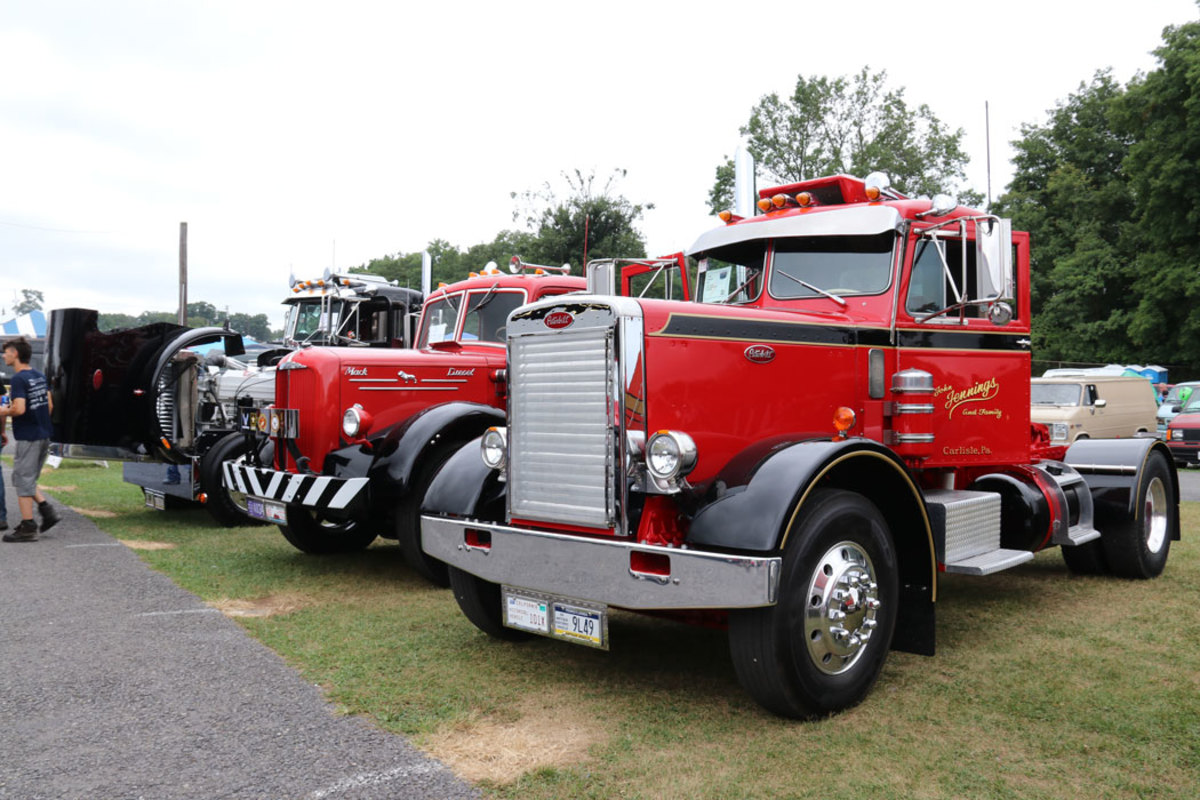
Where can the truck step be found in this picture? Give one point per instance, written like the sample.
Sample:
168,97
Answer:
1076,535
988,563
967,522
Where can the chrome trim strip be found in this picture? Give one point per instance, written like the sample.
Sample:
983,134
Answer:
599,569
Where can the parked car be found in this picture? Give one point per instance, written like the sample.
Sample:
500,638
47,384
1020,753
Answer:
1177,397
1094,407
1183,433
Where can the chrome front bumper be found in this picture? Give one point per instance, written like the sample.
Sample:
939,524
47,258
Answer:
291,488
601,570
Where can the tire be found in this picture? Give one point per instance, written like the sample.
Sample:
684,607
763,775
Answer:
1138,547
1086,559
226,507
408,525
480,603
799,658
308,531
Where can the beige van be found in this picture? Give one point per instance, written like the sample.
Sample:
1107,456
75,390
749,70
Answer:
1094,407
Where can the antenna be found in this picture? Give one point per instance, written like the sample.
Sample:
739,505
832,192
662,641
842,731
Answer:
987,130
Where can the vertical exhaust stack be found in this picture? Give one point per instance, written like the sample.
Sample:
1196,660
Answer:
744,189
426,273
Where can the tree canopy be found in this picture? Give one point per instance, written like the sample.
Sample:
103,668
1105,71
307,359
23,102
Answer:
855,126
590,220
1103,186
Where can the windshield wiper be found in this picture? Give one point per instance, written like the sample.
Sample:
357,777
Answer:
812,288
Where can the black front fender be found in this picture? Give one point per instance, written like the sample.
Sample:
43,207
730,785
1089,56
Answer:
465,487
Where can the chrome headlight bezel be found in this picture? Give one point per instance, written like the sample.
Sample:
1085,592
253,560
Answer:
670,455
1059,431
1175,434
493,447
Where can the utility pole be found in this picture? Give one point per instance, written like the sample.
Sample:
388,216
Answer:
183,273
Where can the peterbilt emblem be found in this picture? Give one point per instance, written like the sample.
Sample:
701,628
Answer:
558,320
760,353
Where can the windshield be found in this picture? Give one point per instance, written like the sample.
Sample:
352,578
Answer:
440,321
1054,394
487,315
839,265
310,320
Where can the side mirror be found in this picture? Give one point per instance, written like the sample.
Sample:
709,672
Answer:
1100,402
993,257
602,277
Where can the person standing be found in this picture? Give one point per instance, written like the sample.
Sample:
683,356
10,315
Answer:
29,406
3,441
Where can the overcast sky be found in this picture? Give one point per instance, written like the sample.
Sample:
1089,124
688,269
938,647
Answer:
292,136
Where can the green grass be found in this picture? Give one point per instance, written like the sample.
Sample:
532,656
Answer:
1045,685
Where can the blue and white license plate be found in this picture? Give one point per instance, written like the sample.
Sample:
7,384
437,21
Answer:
266,510
577,621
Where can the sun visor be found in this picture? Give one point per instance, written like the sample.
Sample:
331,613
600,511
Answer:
846,222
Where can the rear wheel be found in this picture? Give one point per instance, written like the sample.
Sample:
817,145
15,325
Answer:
480,603
310,531
1138,547
820,649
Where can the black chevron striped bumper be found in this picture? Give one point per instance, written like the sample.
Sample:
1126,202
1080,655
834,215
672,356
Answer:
290,488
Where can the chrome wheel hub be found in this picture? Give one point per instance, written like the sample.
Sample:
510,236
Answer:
840,613
1154,516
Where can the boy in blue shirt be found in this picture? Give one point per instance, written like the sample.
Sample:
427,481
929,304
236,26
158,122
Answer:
29,406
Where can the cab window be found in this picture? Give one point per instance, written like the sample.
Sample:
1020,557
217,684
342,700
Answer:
839,265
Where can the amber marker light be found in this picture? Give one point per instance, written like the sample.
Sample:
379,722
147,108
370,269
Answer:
873,193
779,200
764,205
726,215
804,199
843,421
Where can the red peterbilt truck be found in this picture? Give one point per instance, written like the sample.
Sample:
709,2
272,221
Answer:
356,434
841,416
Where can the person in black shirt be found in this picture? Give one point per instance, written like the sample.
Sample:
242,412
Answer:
29,406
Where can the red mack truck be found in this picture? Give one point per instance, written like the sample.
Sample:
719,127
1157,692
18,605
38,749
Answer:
841,416
356,435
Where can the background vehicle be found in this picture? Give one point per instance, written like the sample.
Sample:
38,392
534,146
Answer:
147,397
798,457
1183,433
357,435
1177,397
1094,407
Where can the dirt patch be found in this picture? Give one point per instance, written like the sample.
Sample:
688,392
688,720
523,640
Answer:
135,544
261,607
52,488
95,513
549,732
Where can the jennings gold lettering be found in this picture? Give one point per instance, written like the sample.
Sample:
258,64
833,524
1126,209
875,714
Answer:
980,392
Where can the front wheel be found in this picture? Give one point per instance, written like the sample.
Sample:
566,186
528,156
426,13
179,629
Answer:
408,525
480,603
1138,547
821,648
226,506
309,531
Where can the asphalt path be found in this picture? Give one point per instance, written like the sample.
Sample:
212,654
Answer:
1189,484
115,683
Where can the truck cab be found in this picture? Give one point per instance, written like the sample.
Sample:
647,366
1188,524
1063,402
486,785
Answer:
840,416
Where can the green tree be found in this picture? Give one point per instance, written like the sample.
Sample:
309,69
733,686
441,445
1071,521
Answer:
592,222
1160,114
31,300
854,126
256,326
1070,191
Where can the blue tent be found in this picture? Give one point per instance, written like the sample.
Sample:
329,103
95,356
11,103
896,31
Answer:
31,325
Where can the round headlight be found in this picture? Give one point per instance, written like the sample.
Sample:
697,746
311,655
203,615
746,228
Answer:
351,423
670,454
493,446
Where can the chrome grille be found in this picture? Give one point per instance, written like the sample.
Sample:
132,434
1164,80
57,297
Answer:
561,438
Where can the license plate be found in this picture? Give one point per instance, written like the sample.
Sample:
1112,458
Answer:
155,500
266,510
564,618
